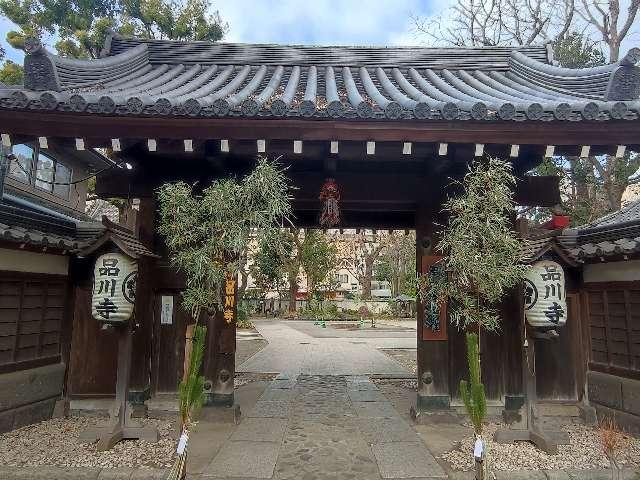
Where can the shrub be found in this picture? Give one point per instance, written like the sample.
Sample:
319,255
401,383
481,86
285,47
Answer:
243,319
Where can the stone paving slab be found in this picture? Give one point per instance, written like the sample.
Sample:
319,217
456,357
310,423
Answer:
360,386
406,460
366,396
522,475
78,473
284,383
260,430
266,409
375,410
245,460
278,394
385,430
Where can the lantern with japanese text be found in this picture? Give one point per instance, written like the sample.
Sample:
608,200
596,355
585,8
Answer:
114,288
544,295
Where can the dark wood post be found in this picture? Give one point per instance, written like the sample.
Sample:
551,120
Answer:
219,363
140,387
433,355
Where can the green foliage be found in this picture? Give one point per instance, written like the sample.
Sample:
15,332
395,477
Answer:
191,390
268,268
11,73
207,232
82,25
319,256
243,319
577,50
590,187
472,392
397,263
481,249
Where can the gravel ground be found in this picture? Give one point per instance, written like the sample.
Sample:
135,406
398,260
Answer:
404,356
242,378
584,452
55,443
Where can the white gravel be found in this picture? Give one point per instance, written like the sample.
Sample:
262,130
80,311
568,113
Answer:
55,443
583,452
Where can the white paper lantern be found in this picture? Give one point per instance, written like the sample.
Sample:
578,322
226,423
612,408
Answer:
114,288
544,295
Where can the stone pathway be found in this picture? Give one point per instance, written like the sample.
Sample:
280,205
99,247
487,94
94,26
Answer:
302,348
324,427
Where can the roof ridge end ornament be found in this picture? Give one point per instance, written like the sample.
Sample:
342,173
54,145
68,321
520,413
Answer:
624,82
106,47
40,72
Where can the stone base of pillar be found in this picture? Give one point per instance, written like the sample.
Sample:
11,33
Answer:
432,403
220,413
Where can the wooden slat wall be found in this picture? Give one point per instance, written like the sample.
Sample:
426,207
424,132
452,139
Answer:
32,310
613,313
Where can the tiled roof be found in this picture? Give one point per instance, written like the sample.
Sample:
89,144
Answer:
27,226
109,231
629,213
35,237
615,234
202,79
534,247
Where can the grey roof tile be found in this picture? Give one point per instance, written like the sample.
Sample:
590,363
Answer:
160,78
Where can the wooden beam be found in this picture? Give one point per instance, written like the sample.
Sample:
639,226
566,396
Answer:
71,125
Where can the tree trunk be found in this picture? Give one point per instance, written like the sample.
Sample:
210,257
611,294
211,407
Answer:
366,280
293,290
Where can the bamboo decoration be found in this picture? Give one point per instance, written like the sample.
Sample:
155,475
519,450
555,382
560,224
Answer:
191,391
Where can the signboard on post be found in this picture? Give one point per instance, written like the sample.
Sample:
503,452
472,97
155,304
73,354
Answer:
114,288
434,321
166,311
545,301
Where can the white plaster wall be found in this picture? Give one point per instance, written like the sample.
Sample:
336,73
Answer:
612,271
33,262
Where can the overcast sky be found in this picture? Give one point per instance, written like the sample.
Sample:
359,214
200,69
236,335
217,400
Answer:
322,22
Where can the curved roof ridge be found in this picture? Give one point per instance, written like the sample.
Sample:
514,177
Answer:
615,81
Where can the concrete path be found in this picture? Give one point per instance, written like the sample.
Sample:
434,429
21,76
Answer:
303,348
323,427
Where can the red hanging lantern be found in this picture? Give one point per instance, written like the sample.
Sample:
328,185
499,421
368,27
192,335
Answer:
330,196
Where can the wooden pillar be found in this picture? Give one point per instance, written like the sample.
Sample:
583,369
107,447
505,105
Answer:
433,354
219,364
140,376
512,311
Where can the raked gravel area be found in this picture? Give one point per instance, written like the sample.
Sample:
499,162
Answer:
55,443
584,452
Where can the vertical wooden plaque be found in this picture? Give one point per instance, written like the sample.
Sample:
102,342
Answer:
427,262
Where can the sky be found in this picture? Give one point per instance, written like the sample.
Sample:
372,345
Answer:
320,22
